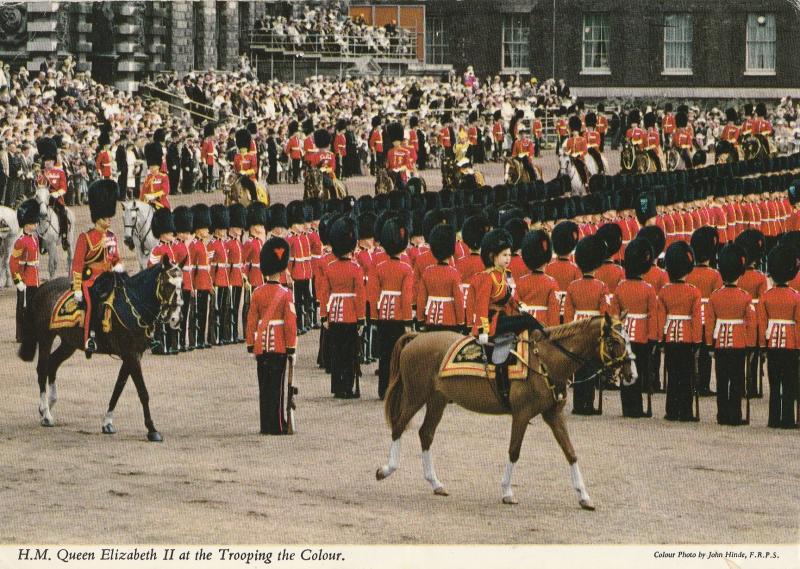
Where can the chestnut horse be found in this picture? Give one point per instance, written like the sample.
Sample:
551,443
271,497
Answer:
554,356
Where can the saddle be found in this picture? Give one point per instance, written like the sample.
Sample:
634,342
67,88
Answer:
467,358
67,313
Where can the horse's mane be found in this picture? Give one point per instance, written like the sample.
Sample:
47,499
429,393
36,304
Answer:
568,330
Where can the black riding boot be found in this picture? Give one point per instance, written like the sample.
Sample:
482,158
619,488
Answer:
503,384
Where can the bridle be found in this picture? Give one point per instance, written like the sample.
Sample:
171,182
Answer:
135,228
166,304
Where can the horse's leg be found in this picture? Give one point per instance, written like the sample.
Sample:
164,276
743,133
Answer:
519,424
407,409
433,414
58,357
119,386
42,367
554,417
135,364
52,256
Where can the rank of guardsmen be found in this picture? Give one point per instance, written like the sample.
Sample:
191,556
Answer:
701,265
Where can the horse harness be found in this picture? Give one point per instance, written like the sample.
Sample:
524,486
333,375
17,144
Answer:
157,318
135,232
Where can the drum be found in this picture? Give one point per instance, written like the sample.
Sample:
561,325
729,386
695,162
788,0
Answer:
627,157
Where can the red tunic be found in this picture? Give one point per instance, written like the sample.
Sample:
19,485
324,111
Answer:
656,277
586,297
523,148
309,150
218,258
730,319
639,300
537,296
103,164
325,160
517,267
440,301
342,292
492,293
562,128
498,131
159,251
246,164
602,124
207,151
679,310
390,289
472,135
730,133
444,137
778,316
201,269
294,148
96,253
636,135
398,160
299,256
376,141
668,123
272,320
707,280
233,250
251,261
24,260
182,257
340,145
611,274
576,146
56,182
155,190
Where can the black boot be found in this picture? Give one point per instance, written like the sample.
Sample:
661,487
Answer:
503,384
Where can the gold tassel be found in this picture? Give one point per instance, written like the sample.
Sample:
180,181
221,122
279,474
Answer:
107,310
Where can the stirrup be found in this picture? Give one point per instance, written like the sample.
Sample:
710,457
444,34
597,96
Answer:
90,347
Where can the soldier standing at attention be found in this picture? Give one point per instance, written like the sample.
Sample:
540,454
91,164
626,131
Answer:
586,298
24,261
155,188
440,303
272,336
233,249
294,150
251,252
731,331
754,282
184,222
163,228
376,146
103,161
637,299
565,238
218,260
390,290
201,275
683,330
779,318
536,290
299,263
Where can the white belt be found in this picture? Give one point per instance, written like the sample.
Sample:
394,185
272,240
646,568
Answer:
385,293
724,322
29,263
301,259
773,322
637,316
754,301
535,308
676,318
433,299
235,266
586,313
275,323
220,265
187,269
336,295
202,267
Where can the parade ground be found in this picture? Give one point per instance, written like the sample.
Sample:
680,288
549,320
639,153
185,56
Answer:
214,479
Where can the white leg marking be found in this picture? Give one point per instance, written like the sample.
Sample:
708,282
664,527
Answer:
44,410
429,472
394,459
580,487
505,484
53,395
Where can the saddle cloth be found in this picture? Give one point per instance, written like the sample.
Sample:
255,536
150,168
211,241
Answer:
66,313
464,358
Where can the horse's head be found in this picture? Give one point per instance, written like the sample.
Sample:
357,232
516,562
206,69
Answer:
130,211
168,293
615,350
43,197
564,163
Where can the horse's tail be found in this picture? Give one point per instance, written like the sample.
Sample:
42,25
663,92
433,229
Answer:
27,349
394,393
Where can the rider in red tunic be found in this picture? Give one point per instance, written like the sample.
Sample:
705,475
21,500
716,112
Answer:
54,179
245,163
103,161
96,252
155,188
23,264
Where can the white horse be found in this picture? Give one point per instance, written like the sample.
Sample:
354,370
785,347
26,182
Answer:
50,232
567,168
138,218
9,231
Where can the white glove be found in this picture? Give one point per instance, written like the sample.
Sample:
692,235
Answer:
483,339
78,296
118,268
21,286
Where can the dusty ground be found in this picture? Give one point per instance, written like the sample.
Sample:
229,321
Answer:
214,479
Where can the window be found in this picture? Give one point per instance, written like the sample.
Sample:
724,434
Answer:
760,43
435,43
678,43
595,43
516,49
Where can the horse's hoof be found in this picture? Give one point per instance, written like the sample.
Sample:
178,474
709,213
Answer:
109,429
48,422
587,505
155,437
440,491
510,500
379,475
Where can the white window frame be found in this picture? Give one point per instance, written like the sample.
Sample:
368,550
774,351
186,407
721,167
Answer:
687,18
603,70
432,48
749,68
524,28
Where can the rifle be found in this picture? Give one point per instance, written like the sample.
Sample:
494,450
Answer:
760,372
653,373
291,392
747,391
694,377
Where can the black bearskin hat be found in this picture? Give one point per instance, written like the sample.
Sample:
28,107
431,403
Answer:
397,199
341,124
201,217
783,263
649,120
761,110
731,115
681,120
432,219
293,127
103,199
589,253
243,138
394,236
153,154
104,139
343,236
413,122
277,216
494,242
574,124
238,215
655,236
754,244
634,117
28,212
160,135
565,237
443,242
376,121
308,126
517,229
322,138
732,262
638,258
295,212
536,249
590,119
704,243
47,149
256,214
679,260
163,222
184,220
208,130
366,225
473,230
274,256
611,233
252,128
394,132
316,208
645,206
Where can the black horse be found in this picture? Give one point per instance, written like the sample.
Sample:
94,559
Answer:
140,303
